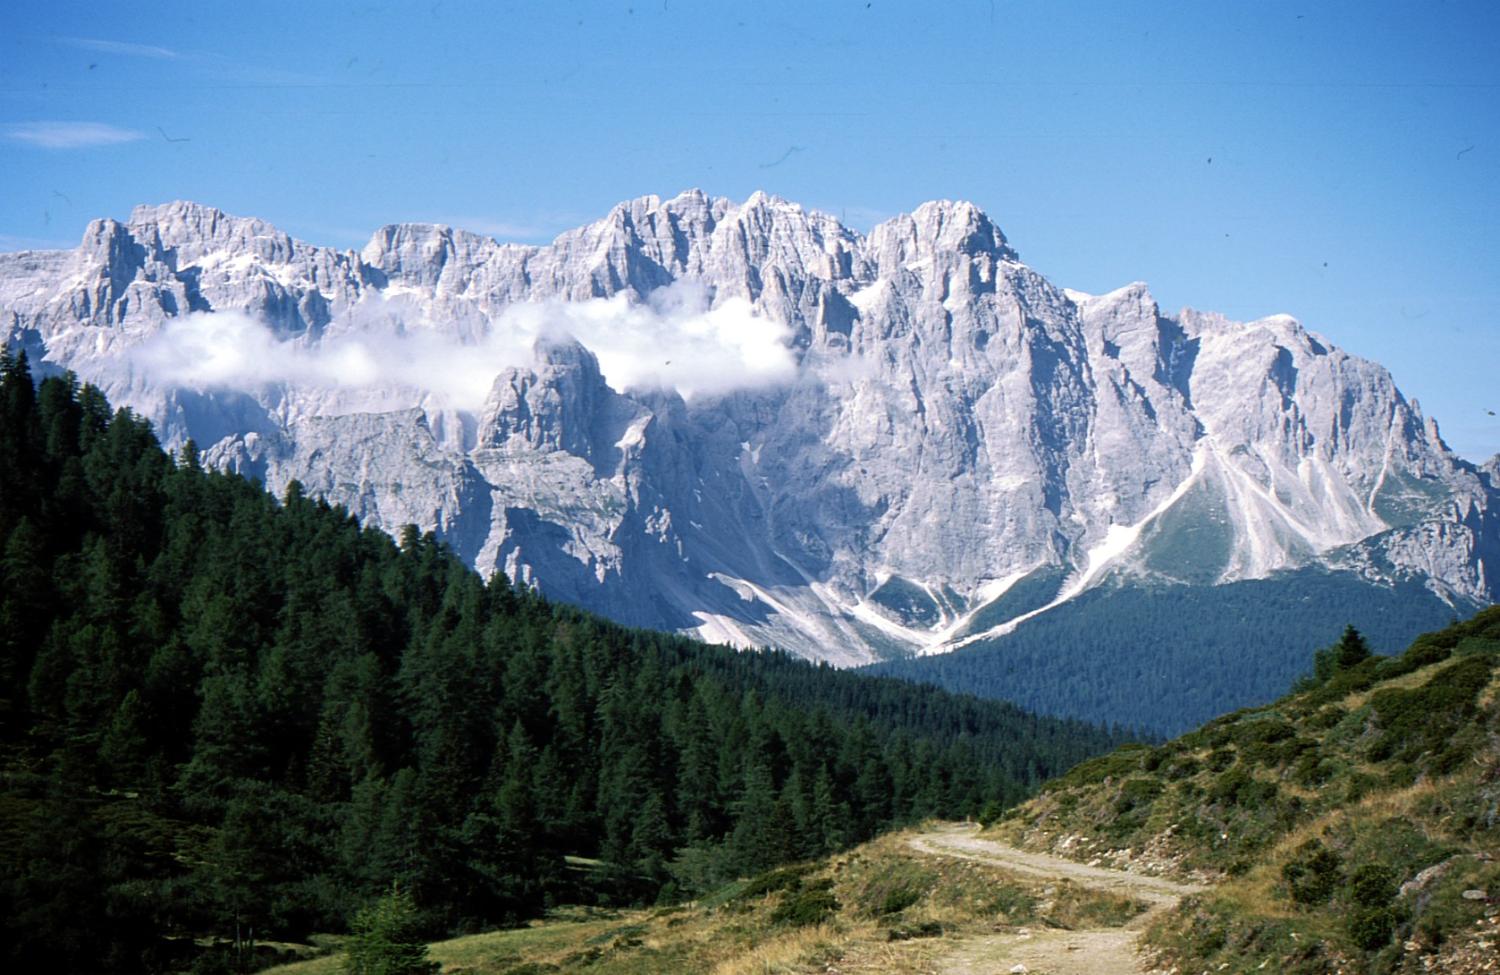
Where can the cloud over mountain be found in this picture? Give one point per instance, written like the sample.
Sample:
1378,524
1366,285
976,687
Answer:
673,341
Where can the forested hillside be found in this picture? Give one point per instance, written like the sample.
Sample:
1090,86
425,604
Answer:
228,716
1119,652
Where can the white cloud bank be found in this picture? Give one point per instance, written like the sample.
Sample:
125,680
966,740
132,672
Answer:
674,342
70,135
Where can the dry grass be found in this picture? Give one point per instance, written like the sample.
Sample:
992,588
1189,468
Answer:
789,952
1405,682
736,936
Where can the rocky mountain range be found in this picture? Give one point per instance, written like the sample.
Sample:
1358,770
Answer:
750,422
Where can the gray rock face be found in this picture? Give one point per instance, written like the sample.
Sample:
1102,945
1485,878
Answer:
948,421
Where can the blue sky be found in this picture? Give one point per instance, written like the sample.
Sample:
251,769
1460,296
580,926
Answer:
1336,161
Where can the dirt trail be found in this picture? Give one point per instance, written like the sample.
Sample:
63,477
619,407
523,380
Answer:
1094,951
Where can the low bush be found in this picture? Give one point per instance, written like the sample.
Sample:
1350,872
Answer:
1370,928
898,900
810,905
1312,874
771,881
1239,788
1372,885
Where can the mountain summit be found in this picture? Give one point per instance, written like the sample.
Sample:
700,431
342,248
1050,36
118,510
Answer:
749,421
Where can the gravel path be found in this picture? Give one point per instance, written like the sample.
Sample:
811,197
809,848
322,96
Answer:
1045,951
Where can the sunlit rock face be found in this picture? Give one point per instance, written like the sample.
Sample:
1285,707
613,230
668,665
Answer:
851,446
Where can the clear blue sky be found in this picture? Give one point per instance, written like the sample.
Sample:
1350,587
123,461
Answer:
1354,178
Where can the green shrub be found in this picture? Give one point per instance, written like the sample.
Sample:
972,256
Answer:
784,878
1400,775
1264,731
810,905
1327,717
1136,793
1312,874
1184,767
898,900
1133,804
1452,758
1313,770
1370,928
1359,786
1372,885
1239,788
1188,790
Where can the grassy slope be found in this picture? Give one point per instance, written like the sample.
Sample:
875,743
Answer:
877,908
1346,822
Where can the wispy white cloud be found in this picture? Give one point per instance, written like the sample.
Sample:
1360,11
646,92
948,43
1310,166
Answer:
123,48
675,342
70,135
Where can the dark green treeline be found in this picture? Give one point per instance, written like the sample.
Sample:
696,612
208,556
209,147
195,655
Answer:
222,713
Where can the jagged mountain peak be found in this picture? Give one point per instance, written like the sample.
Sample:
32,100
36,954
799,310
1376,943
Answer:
671,232
888,432
425,255
187,222
183,211
182,233
963,226
940,239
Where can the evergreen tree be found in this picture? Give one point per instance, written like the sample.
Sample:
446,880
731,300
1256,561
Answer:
1351,650
387,940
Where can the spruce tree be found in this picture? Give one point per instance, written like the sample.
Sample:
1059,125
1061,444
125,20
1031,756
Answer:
1352,648
386,939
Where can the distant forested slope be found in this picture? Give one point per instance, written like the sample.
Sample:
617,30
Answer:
1166,658
224,715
